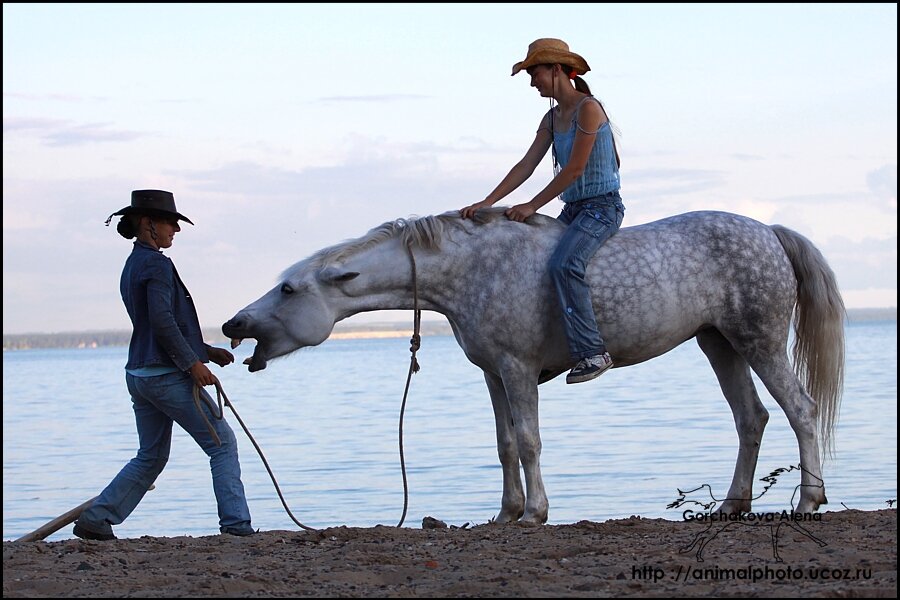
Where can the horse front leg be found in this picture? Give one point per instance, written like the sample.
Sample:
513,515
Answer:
522,396
512,505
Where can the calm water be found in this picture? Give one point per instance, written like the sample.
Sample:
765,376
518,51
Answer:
327,420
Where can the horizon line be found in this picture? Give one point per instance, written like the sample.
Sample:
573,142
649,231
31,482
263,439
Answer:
372,326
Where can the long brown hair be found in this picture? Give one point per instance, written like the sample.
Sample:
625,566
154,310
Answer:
582,86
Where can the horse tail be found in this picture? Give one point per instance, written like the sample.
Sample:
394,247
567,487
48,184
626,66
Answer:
819,316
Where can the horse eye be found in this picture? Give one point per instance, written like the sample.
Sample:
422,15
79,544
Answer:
286,289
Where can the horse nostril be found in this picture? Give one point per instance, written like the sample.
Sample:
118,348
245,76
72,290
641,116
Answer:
232,325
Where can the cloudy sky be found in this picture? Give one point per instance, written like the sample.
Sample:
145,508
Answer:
283,129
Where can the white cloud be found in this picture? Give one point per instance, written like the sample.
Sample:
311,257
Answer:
405,122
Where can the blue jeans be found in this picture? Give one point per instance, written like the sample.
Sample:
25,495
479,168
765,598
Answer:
590,223
158,402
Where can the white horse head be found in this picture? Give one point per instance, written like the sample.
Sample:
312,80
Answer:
329,286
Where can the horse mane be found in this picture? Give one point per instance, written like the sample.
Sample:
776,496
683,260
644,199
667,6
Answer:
423,232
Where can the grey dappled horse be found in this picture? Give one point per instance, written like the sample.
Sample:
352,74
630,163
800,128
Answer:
730,281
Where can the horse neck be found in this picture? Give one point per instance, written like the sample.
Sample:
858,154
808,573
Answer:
395,276
471,264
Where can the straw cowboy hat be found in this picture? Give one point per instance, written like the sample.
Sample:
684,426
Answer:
155,203
550,51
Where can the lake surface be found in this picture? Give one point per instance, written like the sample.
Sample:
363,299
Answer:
327,420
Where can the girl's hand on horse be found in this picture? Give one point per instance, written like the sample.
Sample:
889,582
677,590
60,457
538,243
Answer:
469,211
520,212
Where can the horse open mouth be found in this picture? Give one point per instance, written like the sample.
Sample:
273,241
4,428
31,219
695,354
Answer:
256,362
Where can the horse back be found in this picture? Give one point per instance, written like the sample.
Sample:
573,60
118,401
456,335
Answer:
655,285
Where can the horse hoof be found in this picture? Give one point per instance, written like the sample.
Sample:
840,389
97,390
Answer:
807,507
533,520
528,523
507,517
733,507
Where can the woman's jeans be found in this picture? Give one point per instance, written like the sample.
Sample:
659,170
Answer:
590,223
158,401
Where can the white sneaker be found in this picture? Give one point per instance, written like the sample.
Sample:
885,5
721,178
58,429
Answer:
590,368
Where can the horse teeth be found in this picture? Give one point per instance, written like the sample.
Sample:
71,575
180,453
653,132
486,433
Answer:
235,342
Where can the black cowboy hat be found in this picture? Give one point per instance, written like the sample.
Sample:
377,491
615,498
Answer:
154,203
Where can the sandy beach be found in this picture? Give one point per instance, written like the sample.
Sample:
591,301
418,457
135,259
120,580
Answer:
846,553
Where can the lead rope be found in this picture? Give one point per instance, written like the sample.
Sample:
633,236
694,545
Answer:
415,343
220,394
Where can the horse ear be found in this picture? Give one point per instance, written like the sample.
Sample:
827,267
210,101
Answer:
335,275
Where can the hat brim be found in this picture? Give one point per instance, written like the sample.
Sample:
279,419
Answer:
152,212
548,58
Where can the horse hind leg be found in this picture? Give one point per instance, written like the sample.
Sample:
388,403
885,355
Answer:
774,369
750,416
512,504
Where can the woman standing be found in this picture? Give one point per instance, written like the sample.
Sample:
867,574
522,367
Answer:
166,359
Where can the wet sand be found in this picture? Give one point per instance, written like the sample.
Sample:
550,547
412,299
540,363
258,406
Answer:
625,557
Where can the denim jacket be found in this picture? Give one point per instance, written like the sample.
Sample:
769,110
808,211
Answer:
166,326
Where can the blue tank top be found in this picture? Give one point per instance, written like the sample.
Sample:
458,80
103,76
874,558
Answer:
601,173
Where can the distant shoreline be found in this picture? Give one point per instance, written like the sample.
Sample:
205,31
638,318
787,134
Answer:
106,338
102,338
